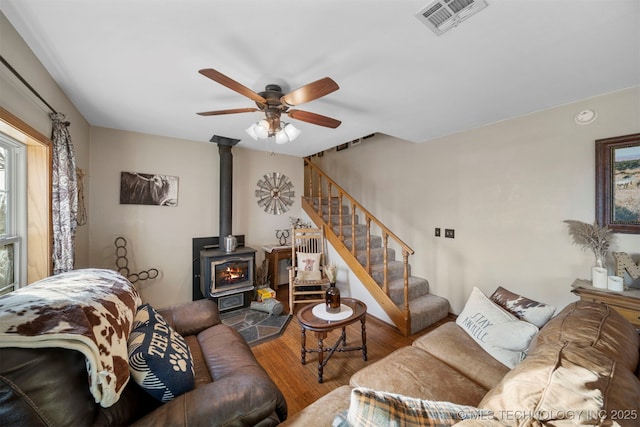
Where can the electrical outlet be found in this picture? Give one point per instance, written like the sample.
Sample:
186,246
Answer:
450,233
437,231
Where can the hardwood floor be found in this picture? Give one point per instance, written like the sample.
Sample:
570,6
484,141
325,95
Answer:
281,357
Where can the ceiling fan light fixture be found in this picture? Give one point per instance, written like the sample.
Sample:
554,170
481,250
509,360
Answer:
291,131
251,130
281,138
261,130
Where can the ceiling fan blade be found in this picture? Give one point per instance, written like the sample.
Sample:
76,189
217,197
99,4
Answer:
231,111
217,76
314,118
310,91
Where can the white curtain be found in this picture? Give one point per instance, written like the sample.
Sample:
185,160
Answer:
64,195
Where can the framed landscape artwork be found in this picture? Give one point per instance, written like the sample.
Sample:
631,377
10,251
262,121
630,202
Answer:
618,183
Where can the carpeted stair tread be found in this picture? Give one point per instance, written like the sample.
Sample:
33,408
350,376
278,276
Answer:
395,270
426,310
361,230
324,200
335,209
361,242
377,255
417,288
335,219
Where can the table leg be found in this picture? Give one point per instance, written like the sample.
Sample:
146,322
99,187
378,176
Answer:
303,353
321,337
343,337
364,339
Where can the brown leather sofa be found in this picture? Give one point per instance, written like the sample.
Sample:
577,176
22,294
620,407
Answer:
48,386
582,363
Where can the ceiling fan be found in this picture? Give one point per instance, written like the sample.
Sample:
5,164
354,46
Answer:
273,102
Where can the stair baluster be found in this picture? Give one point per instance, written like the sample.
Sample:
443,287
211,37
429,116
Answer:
340,216
353,229
385,264
330,204
368,265
405,261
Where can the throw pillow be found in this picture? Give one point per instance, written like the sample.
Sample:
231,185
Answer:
375,408
523,308
308,266
160,361
498,332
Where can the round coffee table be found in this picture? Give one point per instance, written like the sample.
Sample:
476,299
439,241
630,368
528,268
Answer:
310,322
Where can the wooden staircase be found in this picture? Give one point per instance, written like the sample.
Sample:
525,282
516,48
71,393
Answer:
371,251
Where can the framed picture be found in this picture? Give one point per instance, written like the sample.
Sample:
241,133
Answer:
618,183
148,189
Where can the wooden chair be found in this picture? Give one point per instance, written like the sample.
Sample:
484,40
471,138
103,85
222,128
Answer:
307,279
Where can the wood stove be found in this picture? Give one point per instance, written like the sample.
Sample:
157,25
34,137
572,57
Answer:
228,277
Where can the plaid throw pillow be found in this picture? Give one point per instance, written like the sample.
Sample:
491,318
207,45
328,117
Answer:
369,408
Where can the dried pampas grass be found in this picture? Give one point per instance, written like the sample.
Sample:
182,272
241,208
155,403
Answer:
591,236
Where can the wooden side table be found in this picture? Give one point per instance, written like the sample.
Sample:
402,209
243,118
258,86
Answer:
626,303
321,327
275,254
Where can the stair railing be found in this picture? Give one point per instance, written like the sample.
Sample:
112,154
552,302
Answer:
320,188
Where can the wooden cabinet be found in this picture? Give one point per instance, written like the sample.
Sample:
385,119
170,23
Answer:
626,303
275,254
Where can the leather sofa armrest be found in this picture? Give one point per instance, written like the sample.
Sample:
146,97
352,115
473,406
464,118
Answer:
241,400
192,317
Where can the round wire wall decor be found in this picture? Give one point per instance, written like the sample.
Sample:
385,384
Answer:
275,193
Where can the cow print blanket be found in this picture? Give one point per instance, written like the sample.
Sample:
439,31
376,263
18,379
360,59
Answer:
88,310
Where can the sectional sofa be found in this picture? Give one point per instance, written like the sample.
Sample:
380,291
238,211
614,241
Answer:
580,368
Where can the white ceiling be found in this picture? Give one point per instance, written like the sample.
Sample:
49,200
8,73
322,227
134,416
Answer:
133,64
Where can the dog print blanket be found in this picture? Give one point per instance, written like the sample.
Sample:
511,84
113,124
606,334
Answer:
88,310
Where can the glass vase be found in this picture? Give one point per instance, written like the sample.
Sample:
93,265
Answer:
332,298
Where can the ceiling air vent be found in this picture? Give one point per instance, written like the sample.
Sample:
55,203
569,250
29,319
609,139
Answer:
443,15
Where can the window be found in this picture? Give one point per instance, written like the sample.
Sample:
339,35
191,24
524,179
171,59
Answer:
13,214
34,181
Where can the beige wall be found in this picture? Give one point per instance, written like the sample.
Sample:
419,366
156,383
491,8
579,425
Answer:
504,188
16,99
161,237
